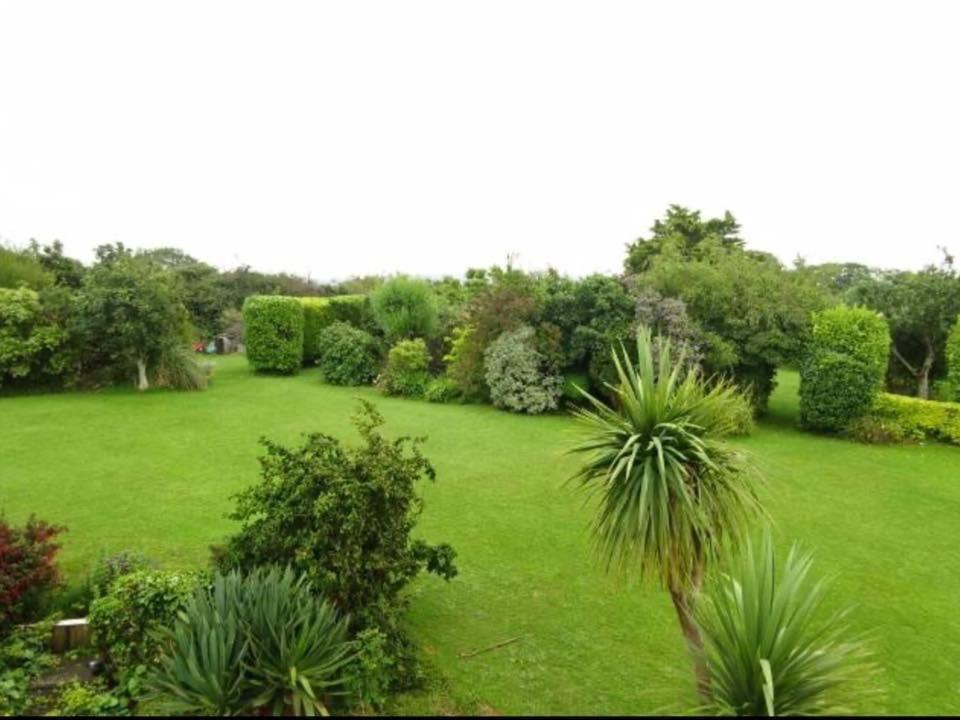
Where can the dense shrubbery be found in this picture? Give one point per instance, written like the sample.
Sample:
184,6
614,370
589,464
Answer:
518,375
27,569
347,355
19,269
897,418
24,655
441,390
407,370
405,308
28,339
124,621
274,332
343,517
844,368
252,644
320,312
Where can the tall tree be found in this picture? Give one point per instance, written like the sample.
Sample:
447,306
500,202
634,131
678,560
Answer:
131,308
684,231
671,494
921,307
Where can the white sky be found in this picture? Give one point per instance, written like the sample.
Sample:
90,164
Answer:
355,137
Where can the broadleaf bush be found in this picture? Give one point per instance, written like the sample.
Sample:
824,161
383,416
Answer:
518,375
274,333
407,371
347,355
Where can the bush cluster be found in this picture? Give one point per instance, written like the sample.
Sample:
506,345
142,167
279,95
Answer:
407,371
27,569
274,333
320,312
404,308
844,368
518,375
348,355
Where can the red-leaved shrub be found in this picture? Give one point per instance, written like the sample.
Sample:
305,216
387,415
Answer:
27,568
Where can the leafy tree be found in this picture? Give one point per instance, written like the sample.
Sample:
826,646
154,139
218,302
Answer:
20,268
29,338
66,271
201,291
684,232
671,494
130,308
920,307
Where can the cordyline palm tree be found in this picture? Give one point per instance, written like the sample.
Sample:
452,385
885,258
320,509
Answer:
670,492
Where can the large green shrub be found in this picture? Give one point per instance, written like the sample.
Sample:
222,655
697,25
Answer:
124,620
953,362
28,339
348,355
343,516
254,643
406,372
518,375
320,312
404,308
844,368
274,332
896,418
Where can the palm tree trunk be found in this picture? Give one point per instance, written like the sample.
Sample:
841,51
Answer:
684,600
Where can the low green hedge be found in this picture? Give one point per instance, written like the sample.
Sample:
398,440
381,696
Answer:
274,332
895,418
321,312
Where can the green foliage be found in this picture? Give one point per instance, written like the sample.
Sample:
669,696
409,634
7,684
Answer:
108,568
347,355
124,620
894,418
320,312
343,516
684,233
953,361
442,390
574,383
67,272
405,308
249,643
129,308
24,655
671,492
29,338
844,368
28,569
519,378
771,650
407,372
92,699
464,364
20,269
274,333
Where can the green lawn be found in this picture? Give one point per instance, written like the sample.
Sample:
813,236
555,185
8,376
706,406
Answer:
155,472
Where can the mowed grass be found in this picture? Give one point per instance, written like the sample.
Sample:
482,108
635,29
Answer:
155,473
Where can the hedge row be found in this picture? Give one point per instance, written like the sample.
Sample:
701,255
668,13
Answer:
319,313
894,418
953,362
845,367
274,332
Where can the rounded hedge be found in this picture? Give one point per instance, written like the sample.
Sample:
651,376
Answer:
274,332
844,368
405,308
953,361
348,355
518,375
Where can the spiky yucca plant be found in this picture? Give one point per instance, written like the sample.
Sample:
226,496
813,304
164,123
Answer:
671,493
770,649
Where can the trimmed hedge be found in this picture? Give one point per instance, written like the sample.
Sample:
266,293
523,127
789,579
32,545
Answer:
953,362
274,332
894,418
320,312
845,367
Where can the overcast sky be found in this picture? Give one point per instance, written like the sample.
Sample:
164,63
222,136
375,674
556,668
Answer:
334,139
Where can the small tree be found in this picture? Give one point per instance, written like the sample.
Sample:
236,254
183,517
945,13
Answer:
129,307
671,493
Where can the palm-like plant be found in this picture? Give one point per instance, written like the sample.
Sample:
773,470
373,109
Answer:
770,649
263,640
671,492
